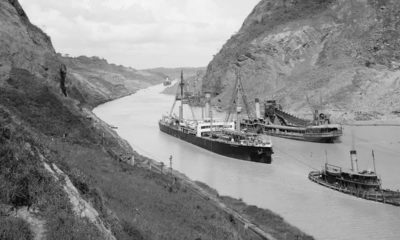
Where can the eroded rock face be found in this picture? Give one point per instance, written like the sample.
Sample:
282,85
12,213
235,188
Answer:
344,55
22,44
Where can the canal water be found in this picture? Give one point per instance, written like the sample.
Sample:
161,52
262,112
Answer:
283,186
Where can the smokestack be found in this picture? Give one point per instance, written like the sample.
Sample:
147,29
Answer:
180,113
316,115
258,112
208,108
353,158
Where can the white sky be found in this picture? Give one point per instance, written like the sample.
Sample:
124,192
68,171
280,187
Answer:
140,33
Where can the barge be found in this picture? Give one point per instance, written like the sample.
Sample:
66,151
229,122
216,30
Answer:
279,123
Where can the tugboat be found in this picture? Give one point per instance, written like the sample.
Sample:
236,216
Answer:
221,137
279,123
363,184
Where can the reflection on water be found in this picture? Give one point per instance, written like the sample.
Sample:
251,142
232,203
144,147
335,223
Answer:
282,186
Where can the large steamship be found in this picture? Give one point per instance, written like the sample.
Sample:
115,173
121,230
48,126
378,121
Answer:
221,137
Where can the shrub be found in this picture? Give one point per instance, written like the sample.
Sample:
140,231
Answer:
131,230
14,228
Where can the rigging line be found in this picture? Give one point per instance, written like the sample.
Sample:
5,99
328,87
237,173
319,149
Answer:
296,159
173,105
231,103
244,98
191,109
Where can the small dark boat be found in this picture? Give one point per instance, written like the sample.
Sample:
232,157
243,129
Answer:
363,184
279,123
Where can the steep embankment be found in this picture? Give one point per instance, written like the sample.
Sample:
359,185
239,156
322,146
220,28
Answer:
343,55
103,81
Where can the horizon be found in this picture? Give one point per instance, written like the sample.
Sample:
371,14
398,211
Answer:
169,34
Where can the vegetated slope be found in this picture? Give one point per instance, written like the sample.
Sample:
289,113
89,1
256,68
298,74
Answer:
106,81
343,55
33,113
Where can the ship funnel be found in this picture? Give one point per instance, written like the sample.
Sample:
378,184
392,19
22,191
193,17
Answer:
180,113
316,115
353,158
258,112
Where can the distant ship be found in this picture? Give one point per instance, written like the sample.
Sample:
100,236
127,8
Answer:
220,137
167,82
276,122
363,184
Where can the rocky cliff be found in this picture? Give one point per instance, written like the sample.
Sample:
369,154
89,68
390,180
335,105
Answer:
339,56
23,45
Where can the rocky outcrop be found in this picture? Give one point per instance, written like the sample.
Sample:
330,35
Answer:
343,56
22,44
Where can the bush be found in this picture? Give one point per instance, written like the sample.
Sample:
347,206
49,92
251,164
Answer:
14,228
131,230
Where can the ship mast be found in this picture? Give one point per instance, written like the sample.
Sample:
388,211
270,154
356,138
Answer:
373,159
180,91
181,85
234,103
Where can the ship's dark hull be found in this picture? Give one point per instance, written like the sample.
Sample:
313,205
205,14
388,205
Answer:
304,137
248,153
320,138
